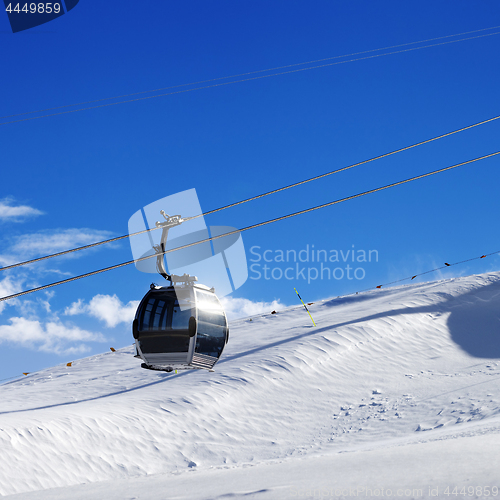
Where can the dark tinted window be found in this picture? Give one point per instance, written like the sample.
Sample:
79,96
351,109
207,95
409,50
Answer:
147,315
215,318
180,317
162,313
211,332
159,312
210,339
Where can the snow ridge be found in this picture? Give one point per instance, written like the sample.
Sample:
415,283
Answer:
382,370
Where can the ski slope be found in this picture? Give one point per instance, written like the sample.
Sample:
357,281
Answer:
394,393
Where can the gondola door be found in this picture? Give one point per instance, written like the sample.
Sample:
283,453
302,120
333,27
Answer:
211,329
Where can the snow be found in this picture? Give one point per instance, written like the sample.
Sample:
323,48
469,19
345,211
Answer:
395,390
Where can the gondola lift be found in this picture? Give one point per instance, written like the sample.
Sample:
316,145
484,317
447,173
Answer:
180,326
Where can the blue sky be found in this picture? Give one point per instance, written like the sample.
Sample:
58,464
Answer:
75,178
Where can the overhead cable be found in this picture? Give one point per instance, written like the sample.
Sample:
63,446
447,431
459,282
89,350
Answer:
385,155
237,231
199,82
111,240
423,273
249,78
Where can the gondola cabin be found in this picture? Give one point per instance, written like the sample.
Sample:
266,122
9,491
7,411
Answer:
181,327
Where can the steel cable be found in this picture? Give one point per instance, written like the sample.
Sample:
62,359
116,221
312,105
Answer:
246,74
247,79
44,287
111,240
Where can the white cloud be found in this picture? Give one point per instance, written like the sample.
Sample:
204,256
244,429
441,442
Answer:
107,308
8,286
27,246
241,308
11,212
112,311
49,241
52,336
77,307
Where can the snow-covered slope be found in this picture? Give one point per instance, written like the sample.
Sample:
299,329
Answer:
407,380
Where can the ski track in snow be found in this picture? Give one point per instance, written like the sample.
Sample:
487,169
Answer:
417,364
